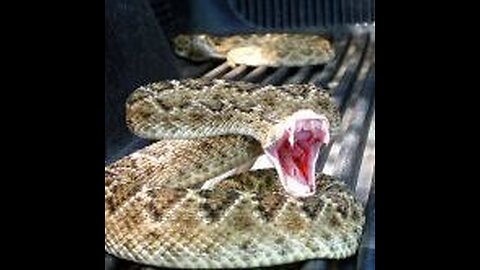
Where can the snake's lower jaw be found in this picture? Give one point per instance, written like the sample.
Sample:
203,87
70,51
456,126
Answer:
296,188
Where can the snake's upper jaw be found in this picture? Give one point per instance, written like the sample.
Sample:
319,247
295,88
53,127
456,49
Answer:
295,152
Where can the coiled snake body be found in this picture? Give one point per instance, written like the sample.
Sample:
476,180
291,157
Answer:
270,49
189,199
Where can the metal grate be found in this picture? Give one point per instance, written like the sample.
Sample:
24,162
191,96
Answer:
351,79
301,14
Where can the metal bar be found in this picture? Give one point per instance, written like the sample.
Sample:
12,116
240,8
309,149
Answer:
330,70
343,81
301,76
277,77
236,72
343,157
355,124
256,74
367,168
218,71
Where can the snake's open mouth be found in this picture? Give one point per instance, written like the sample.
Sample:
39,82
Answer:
295,153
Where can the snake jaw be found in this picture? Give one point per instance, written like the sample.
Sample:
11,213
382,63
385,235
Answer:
295,152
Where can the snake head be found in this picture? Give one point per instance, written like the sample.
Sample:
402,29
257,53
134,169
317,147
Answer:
294,150
195,47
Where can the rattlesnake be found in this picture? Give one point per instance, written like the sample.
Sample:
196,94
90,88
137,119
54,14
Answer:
271,49
189,201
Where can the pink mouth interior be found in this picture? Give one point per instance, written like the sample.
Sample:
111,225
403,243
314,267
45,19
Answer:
297,160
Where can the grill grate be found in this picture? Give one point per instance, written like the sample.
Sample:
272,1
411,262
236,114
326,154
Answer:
301,14
351,79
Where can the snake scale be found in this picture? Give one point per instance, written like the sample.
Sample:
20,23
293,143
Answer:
270,49
190,200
